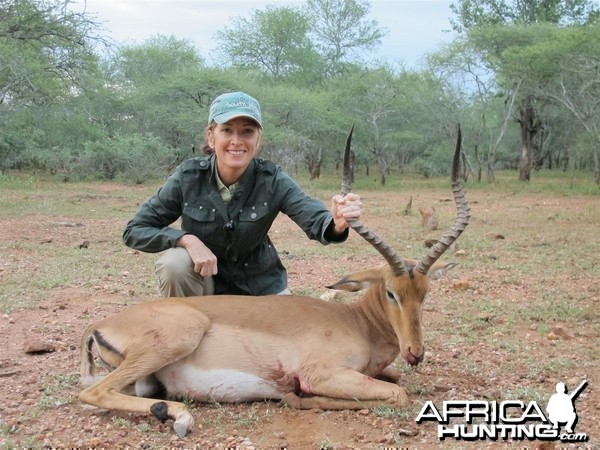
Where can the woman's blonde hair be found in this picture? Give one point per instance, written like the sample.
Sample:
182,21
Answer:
207,149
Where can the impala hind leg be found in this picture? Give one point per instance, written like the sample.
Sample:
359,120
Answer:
107,394
152,345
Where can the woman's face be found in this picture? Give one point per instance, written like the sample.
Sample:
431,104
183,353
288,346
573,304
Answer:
235,143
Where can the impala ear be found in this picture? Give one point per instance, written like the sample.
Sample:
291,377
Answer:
358,281
349,285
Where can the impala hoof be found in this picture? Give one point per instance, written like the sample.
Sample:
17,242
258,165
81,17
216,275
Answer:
402,397
291,400
183,425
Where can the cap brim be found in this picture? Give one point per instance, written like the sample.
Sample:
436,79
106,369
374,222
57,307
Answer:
222,118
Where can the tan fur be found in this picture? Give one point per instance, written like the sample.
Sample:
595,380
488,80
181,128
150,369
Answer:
308,352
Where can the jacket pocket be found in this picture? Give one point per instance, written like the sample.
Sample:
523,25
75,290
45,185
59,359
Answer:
254,213
199,213
199,220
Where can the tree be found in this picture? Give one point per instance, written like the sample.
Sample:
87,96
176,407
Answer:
45,54
341,29
302,128
460,69
44,49
274,40
571,57
473,13
370,97
484,20
159,89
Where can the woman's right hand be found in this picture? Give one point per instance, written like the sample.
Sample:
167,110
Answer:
205,261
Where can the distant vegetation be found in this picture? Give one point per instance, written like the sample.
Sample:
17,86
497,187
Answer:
522,79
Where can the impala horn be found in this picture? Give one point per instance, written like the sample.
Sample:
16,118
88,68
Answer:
462,216
379,244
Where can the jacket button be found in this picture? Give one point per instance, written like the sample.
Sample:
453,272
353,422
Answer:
253,216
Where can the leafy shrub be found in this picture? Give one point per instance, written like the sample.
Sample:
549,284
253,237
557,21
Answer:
135,158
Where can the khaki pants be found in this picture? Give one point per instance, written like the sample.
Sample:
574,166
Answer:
176,276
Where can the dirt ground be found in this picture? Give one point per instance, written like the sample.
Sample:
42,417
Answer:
519,314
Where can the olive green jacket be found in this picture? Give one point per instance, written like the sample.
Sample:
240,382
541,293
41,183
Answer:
247,260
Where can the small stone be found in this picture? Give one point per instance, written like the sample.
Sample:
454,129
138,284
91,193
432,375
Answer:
461,284
405,432
560,331
83,244
552,336
38,346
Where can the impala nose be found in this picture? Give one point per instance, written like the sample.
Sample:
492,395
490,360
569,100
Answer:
413,359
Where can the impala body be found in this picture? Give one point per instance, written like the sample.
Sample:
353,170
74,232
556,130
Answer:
307,352
262,347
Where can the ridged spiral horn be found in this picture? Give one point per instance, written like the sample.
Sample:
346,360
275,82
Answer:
394,261
462,216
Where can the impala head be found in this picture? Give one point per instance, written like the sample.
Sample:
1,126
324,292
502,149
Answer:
402,285
398,297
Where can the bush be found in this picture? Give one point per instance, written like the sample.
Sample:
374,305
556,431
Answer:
133,158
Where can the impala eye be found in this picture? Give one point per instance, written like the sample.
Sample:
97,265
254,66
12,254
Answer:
391,296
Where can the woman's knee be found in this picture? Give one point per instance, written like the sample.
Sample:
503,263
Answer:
175,263
176,276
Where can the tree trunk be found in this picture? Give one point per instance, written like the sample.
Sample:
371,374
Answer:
315,171
527,132
597,166
382,169
314,165
479,163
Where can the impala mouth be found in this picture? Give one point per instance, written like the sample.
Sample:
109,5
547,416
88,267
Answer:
413,359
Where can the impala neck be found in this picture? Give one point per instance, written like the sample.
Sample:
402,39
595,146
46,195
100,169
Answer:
373,311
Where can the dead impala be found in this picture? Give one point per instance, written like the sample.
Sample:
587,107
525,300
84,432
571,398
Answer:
307,352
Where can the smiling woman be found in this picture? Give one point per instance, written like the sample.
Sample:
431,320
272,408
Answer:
233,134
227,202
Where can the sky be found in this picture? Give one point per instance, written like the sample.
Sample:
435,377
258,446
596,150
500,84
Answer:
415,27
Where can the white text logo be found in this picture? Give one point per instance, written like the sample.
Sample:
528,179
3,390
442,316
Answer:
512,419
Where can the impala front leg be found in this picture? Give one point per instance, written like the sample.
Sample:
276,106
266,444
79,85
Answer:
390,373
349,389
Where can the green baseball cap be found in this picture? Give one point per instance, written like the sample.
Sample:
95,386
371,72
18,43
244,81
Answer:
234,104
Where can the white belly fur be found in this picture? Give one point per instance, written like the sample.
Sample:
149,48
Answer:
221,385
